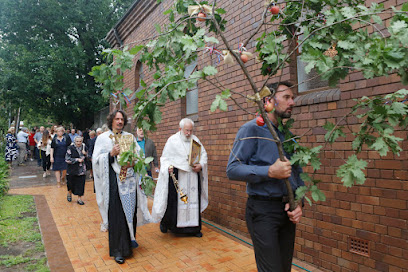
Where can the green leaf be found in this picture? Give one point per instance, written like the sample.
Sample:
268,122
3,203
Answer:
223,105
398,108
346,45
136,49
315,163
210,39
397,26
315,44
143,84
308,201
220,11
225,94
315,196
158,28
321,195
157,75
310,65
148,160
301,191
348,12
352,171
215,103
305,177
209,70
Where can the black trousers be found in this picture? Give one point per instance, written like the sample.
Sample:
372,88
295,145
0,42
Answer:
272,233
46,163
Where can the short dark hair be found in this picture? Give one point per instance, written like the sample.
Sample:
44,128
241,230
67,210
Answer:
274,86
111,116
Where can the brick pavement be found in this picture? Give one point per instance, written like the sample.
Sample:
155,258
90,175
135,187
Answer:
71,234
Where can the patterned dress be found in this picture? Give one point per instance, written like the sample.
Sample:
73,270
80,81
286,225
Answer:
11,147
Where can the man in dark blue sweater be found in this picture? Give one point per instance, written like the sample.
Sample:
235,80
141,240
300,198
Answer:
256,161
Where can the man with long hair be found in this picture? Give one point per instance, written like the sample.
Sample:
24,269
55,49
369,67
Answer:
119,200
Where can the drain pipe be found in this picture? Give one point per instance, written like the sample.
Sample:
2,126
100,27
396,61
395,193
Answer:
118,39
245,241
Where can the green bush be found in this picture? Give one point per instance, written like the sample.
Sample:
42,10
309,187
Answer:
4,183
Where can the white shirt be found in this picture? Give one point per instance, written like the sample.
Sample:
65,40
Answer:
22,137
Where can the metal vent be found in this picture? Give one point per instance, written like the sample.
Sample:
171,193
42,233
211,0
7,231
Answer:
359,246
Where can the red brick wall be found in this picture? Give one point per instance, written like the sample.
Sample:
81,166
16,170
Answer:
376,211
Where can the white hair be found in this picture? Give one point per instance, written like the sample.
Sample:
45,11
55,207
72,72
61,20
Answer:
105,127
98,130
184,120
78,137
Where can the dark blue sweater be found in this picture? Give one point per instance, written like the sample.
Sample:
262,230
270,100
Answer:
250,160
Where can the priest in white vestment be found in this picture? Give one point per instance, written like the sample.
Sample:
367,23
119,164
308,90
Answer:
122,203
176,215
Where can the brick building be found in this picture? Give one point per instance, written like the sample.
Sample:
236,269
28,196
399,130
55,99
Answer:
363,228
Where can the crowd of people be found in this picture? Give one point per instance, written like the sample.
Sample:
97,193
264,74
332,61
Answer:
181,192
55,150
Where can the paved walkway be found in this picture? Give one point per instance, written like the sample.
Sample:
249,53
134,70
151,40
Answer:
73,241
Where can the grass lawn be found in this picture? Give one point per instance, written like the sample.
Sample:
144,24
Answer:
21,247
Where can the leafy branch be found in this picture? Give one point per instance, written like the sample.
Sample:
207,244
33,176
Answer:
131,158
316,26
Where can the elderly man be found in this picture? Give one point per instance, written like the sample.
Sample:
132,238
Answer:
121,202
256,161
22,140
99,131
73,134
192,180
37,138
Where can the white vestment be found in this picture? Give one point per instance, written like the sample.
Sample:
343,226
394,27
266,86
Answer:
176,152
127,189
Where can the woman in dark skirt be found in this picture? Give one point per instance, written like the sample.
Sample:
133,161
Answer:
59,147
76,172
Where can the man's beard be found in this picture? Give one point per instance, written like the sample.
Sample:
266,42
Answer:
184,137
283,114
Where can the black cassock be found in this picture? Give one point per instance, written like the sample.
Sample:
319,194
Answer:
169,220
119,236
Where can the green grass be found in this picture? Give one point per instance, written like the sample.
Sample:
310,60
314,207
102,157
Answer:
18,225
15,224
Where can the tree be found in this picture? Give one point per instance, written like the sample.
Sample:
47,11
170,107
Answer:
335,40
48,48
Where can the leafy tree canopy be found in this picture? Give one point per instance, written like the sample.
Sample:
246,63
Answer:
47,49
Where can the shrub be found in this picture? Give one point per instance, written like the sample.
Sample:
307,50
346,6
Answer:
4,183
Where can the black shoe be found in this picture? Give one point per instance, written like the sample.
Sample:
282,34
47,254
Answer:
163,228
120,260
134,244
80,202
69,198
199,235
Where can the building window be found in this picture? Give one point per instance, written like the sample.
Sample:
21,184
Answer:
138,75
191,100
311,81
138,79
